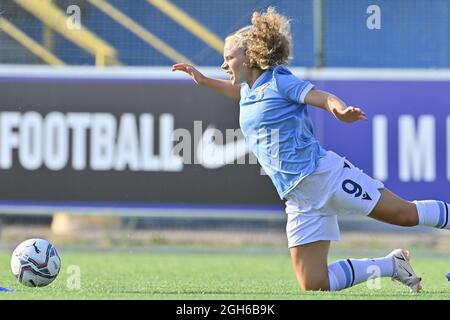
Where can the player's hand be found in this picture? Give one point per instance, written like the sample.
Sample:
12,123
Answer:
196,75
349,114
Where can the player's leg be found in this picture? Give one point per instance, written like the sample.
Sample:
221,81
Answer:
313,272
392,209
310,265
395,210
358,193
309,235
312,223
347,273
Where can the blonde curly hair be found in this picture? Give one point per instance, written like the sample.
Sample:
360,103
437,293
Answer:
267,42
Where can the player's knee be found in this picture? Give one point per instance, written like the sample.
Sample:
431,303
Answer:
315,284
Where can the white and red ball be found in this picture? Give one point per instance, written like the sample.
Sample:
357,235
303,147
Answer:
35,262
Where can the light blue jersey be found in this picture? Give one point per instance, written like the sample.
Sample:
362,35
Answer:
278,129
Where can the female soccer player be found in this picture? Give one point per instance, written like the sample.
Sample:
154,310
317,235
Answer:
317,185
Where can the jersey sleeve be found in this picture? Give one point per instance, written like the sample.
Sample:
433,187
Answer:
290,86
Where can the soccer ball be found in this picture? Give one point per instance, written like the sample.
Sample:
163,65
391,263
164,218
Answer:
35,262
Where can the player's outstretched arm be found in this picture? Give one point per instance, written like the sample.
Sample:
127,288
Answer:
224,87
334,105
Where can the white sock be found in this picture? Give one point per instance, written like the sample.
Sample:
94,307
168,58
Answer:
433,213
347,273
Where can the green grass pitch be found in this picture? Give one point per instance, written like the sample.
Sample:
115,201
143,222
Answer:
209,274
